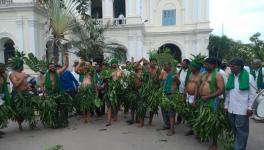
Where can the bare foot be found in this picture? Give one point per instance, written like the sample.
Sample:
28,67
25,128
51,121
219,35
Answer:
20,128
108,124
140,126
171,133
151,125
212,147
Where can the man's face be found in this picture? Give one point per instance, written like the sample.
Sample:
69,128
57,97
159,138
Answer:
194,70
235,69
52,68
184,65
114,66
209,67
97,68
256,65
153,63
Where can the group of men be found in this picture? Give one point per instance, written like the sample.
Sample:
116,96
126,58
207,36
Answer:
201,83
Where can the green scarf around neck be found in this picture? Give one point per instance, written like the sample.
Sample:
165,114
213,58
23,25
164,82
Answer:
187,75
48,86
4,90
259,77
243,80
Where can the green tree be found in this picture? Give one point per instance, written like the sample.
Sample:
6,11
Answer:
257,46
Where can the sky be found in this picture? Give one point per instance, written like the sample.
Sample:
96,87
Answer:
237,19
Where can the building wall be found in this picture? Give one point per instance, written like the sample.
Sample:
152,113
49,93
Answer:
142,32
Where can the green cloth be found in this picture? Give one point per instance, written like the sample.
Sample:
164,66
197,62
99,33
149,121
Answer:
48,86
167,84
187,76
4,90
81,78
259,78
243,80
113,61
210,103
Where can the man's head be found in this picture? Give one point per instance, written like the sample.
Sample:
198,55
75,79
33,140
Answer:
167,67
236,65
128,63
2,68
114,63
52,67
210,64
195,66
218,62
97,67
153,62
185,63
256,63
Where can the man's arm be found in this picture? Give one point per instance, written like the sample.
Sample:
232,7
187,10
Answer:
76,83
220,86
252,92
42,82
16,83
66,64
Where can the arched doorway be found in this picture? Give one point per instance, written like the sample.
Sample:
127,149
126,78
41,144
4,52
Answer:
174,49
7,49
96,9
119,8
116,50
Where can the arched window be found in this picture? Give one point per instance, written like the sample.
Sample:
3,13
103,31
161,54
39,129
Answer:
97,9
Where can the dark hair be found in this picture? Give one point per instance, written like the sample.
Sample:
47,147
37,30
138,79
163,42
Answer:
75,64
237,62
187,61
211,61
218,62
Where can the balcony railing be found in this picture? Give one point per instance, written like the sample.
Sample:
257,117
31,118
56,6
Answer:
118,21
6,2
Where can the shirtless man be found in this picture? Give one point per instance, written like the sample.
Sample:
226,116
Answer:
4,96
20,84
168,116
192,87
52,76
153,71
88,81
209,95
117,74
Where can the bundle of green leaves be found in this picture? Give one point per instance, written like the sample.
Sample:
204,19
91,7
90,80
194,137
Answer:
6,113
88,99
54,108
24,107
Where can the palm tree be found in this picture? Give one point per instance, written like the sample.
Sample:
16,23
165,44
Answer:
90,41
61,14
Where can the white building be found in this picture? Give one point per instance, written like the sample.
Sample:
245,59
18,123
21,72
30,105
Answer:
139,25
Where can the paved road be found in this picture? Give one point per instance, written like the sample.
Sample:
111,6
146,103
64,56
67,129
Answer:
119,136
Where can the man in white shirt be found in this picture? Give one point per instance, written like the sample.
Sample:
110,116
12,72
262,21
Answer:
258,73
184,74
74,72
239,98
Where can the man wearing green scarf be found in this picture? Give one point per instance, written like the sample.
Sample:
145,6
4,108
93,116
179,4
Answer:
50,82
257,72
4,94
212,86
240,95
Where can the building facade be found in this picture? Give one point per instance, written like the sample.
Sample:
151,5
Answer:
139,25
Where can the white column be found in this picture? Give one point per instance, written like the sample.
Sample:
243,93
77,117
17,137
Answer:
138,7
20,34
108,9
89,11
131,47
195,10
207,10
151,5
139,48
129,8
32,36
186,11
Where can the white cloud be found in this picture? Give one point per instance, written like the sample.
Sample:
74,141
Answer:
239,18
